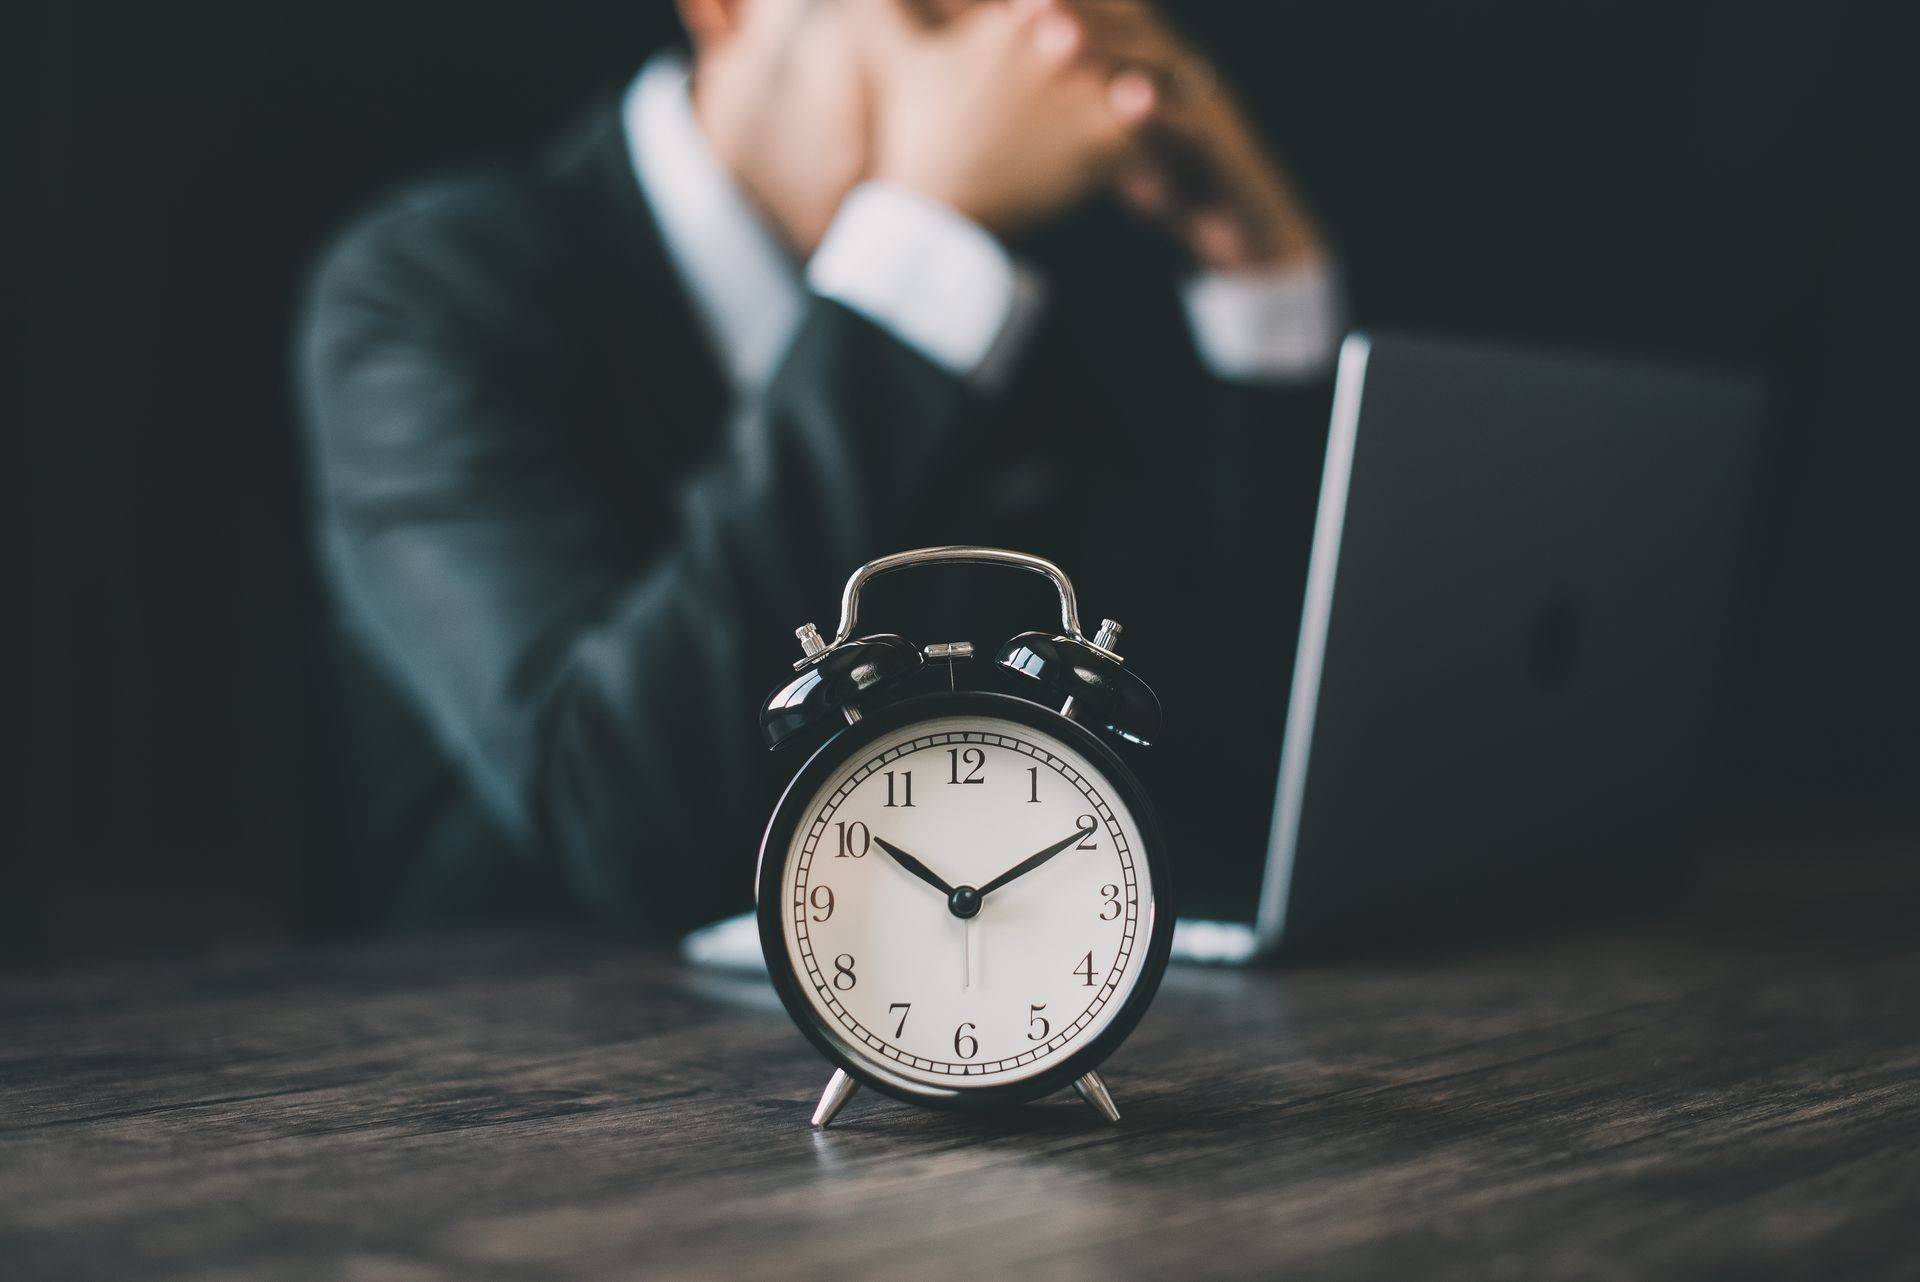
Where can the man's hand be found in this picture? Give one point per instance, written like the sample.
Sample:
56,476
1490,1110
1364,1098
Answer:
1201,170
998,112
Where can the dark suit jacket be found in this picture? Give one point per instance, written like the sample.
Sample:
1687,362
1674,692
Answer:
567,569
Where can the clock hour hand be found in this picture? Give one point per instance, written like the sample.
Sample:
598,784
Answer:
1031,862
914,866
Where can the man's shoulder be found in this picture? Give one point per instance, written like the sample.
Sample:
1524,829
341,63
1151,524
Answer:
454,234
484,233
470,214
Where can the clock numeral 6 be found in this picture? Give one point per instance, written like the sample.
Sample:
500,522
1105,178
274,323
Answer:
821,897
843,969
854,839
973,758
965,1045
1034,1017
1087,825
1110,898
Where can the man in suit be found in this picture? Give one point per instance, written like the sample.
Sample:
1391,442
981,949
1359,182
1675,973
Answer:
592,435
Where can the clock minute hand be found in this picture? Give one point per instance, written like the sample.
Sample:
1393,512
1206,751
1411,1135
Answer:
913,866
1031,862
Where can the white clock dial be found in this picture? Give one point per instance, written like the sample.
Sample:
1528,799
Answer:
1049,957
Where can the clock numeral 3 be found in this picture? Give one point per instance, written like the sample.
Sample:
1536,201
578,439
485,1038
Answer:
903,1008
965,1045
906,789
843,969
1084,970
854,839
1035,1017
1110,897
973,758
821,897
1088,825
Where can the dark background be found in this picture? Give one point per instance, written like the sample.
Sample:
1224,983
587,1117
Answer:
1728,183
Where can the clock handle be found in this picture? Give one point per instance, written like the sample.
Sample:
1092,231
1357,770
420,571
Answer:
1085,672
960,554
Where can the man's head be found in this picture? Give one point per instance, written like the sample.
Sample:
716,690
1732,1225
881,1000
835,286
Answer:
782,95
1004,110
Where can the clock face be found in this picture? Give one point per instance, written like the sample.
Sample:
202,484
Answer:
966,902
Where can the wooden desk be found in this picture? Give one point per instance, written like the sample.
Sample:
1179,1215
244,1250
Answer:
1730,1092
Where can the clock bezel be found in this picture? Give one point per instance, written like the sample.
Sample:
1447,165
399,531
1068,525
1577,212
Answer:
790,814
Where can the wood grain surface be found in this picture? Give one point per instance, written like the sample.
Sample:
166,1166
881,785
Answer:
1728,1092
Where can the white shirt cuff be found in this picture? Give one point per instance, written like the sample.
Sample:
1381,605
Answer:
938,282
1275,326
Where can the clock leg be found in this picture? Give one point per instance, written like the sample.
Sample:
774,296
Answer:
1094,1092
840,1089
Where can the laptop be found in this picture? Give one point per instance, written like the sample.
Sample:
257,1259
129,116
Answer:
1519,600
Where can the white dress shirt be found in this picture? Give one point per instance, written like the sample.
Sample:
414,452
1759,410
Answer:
937,281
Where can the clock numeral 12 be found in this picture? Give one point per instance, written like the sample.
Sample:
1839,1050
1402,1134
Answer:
974,758
906,789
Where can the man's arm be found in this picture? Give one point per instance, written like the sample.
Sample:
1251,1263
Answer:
595,681
1264,302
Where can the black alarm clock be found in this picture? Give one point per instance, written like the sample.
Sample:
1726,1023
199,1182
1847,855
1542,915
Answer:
963,896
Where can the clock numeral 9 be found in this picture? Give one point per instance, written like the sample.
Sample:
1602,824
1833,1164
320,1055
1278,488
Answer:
1085,970
965,1045
843,969
1035,1017
906,789
1088,825
854,839
1110,898
973,758
821,897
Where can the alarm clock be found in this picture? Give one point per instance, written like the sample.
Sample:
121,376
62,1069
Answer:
963,896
